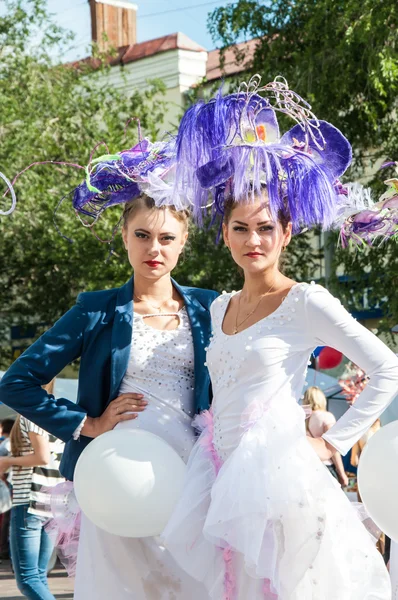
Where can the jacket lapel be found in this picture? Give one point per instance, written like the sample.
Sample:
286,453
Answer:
121,336
123,329
201,328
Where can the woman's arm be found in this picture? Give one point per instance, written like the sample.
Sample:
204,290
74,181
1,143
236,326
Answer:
338,461
355,454
39,457
330,421
341,474
329,324
20,388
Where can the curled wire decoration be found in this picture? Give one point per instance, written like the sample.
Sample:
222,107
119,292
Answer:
110,178
13,196
284,100
65,237
46,162
91,160
137,120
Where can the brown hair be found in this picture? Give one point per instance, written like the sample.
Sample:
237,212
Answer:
6,425
143,201
16,437
230,204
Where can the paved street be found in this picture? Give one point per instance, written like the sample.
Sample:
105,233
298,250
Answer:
60,585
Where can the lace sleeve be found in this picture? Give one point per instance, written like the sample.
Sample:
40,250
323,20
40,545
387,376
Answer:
76,433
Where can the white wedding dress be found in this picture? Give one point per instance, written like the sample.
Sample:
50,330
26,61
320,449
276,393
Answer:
110,567
260,517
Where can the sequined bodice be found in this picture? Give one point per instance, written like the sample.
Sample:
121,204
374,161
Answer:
161,367
260,368
162,363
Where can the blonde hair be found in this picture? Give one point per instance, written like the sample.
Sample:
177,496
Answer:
315,398
144,201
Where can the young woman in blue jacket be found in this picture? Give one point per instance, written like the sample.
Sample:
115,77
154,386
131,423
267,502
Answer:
142,353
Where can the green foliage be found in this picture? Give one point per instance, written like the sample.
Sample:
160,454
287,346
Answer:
343,58
343,62
56,112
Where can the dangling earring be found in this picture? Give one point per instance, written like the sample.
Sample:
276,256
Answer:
283,248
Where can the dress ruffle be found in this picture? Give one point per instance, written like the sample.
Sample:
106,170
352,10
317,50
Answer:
270,522
64,526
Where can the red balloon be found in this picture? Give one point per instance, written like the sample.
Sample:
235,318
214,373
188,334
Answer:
329,358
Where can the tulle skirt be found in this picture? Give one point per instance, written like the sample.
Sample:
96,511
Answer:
110,567
269,522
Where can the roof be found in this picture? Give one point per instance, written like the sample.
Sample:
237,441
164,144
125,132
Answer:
180,41
174,41
231,66
127,54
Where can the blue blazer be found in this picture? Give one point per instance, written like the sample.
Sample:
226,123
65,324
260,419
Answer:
97,329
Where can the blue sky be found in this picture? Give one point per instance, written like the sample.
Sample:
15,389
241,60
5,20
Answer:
187,16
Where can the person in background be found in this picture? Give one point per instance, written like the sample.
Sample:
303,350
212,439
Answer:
31,547
318,423
5,449
5,444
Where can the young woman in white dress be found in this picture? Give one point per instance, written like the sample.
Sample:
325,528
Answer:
260,517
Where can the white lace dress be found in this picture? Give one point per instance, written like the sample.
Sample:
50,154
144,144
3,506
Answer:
109,567
260,517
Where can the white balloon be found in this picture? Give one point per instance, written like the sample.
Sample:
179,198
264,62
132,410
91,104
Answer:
378,481
128,482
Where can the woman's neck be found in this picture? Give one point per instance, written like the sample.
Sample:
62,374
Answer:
256,285
159,289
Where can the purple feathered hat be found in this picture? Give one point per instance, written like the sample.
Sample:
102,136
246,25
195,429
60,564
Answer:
148,167
118,178
231,145
365,223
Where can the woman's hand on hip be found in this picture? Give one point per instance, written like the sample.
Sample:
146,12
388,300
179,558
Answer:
124,408
324,450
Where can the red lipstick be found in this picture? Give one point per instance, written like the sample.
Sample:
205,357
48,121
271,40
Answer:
152,263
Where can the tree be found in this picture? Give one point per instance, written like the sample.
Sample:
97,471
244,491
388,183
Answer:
342,57
57,112
51,111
